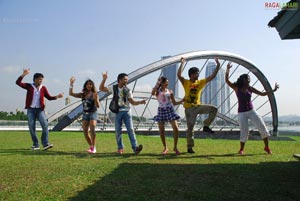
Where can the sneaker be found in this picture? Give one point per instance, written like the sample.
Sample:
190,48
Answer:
92,150
268,150
138,149
35,147
177,152
241,152
207,129
165,151
190,150
48,146
120,151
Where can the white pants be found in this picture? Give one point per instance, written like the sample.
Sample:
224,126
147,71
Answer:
256,120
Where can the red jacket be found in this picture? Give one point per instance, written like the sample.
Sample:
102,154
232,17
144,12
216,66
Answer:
30,90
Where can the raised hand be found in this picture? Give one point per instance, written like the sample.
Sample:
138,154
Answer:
72,80
26,71
276,87
182,60
60,95
104,75
229,65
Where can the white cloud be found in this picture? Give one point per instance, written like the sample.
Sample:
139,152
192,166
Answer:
10,69
87,73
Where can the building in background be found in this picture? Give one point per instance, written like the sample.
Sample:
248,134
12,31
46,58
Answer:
170,72
217,91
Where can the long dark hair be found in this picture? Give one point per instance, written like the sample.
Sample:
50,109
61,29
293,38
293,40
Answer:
85,90
241,80
162,80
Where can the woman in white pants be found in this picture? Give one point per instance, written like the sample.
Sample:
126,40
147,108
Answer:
246,111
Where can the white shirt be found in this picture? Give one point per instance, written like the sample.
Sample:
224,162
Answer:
36,97
164,98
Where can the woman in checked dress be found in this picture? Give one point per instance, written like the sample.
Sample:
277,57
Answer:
166,112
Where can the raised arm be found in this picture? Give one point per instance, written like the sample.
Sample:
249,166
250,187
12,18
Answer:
71,93
213,75
179,72
19,82
266,92
155,88
102,86
230,84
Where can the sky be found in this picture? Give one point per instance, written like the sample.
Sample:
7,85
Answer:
83,38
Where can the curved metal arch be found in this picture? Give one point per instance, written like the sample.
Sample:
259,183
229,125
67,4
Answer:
195,55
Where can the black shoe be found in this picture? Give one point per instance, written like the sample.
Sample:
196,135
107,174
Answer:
48,146
207,129
190,150
138,149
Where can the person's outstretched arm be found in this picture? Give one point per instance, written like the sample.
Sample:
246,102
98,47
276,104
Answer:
266,92
213,75
179,72
19,82
174,102
71,93
230,84
155,88
102,86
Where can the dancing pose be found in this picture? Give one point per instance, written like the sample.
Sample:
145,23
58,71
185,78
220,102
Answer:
124,99
35,105
90,103
192,104
245,109
166,112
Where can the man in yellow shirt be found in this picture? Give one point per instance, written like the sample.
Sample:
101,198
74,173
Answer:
192,104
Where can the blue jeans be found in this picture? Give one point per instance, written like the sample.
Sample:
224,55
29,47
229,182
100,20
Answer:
89,116
33,114
124,116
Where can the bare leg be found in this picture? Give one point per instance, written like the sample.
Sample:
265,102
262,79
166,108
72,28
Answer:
161,126
85,127
242,145
175,130
92,126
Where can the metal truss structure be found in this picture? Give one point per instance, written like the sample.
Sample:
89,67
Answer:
228,121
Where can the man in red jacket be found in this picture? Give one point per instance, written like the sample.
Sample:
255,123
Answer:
35,105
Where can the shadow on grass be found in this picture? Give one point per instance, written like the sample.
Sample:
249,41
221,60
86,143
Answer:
54,152
142,181
113,154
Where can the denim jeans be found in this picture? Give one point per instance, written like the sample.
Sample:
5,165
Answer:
124,116
33,114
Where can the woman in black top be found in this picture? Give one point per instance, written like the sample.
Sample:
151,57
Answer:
90,103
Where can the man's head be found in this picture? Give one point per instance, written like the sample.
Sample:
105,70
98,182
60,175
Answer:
122,79
38,79
194,73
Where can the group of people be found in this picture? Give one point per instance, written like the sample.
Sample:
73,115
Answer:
165,113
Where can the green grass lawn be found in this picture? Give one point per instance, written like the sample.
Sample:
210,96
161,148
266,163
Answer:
214,172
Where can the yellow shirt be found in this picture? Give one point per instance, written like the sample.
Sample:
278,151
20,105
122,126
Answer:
193,92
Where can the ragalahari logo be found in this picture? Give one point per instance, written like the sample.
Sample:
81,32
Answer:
282,6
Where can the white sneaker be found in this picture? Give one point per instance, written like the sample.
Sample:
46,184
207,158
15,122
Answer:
92,150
